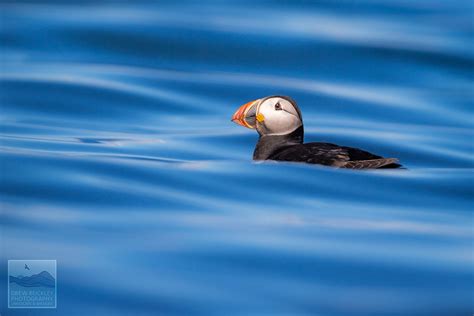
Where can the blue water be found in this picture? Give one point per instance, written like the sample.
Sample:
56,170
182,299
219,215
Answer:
118,158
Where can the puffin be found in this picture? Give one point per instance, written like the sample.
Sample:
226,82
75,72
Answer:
279,123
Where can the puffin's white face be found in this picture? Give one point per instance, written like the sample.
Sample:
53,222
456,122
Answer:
276,115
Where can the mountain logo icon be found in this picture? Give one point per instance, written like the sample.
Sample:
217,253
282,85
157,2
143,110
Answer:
32,284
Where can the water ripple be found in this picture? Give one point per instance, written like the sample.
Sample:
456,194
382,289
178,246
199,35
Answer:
118,158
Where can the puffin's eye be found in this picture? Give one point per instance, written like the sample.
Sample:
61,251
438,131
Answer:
278,106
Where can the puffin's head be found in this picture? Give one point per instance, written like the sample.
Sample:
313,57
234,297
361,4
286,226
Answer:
274,115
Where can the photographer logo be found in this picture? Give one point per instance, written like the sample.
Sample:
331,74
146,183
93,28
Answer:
31,283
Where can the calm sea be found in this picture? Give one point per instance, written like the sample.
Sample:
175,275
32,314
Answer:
118,158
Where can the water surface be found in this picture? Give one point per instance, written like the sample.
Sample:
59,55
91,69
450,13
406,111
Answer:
118,158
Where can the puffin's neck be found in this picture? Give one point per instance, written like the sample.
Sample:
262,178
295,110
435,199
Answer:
267,145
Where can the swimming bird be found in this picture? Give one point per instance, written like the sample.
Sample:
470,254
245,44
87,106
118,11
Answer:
279,123
26,267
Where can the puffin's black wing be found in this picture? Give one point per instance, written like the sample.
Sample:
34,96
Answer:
372,164
333,155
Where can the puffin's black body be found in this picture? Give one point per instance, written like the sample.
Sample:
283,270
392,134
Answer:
291,148
279,123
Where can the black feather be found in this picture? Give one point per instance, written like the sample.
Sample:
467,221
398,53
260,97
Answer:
291,148
333,155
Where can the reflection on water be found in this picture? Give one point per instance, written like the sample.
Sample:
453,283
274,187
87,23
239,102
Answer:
118,158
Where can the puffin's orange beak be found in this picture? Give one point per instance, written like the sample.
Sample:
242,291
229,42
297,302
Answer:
245,115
